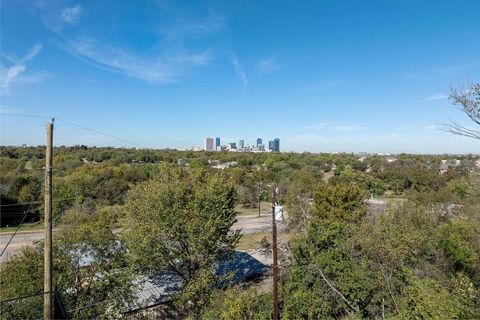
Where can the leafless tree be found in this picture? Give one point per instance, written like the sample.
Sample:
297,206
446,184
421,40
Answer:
469,102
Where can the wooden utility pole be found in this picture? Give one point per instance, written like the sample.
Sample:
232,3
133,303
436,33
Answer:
259,199
47,262
276,314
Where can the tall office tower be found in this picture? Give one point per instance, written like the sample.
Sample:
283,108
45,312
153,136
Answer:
217,142
208,144
276,145
259,141
241,144
270,145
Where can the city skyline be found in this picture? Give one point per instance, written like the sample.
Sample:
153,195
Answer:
325,76
215,144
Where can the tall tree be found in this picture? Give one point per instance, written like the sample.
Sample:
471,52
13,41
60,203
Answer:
181,222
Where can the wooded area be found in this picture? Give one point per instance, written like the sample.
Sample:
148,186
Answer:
133,213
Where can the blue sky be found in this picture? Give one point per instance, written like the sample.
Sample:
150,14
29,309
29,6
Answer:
320,75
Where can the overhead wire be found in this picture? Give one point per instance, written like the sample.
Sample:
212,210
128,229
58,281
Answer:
99,132
34,202
25,115
13,235
72,124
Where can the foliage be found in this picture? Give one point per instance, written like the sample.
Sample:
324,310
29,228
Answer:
184,219
238,303
88,266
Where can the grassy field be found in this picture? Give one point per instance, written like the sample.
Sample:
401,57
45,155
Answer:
252,241
34,226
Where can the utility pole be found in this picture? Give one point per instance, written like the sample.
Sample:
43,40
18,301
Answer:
259,199
276,314
47,262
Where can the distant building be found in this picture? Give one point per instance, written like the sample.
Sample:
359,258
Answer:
217,143
390,159
241,144
232,146
259,141
270,145
276,145
208,144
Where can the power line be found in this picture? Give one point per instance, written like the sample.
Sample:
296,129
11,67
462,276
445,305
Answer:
13,235
34,202
72,124
25,115
19,204
99,132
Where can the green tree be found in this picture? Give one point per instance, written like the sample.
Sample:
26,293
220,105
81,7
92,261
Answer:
326,280
89,268
181,222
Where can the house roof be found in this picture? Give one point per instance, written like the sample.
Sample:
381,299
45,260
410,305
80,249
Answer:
444,166
161,287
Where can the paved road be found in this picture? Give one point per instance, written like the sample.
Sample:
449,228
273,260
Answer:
20,240
246,223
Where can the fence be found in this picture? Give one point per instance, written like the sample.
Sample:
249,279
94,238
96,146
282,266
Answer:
30,307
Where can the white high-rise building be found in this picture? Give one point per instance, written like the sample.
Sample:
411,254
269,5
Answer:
208,144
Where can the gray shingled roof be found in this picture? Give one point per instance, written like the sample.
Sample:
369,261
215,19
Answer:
444,166
161,287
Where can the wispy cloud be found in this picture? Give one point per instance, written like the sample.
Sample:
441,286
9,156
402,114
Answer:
116,60
190,27
435,97
435,72
202,58
430,127
167,58
327,84
12,73
268,65
69,16
346,128
239,70
332,127
72,15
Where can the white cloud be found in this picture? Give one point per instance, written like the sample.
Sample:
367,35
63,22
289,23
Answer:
72,15
239,70
435,97
12,73
267,65
191,27
192,59
430,128
347,128
318,126
116,60
329,127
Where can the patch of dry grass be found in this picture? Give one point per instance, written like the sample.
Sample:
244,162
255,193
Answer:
240,210
252,241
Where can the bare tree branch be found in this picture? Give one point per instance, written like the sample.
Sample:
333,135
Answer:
332,287
457,129
469,102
